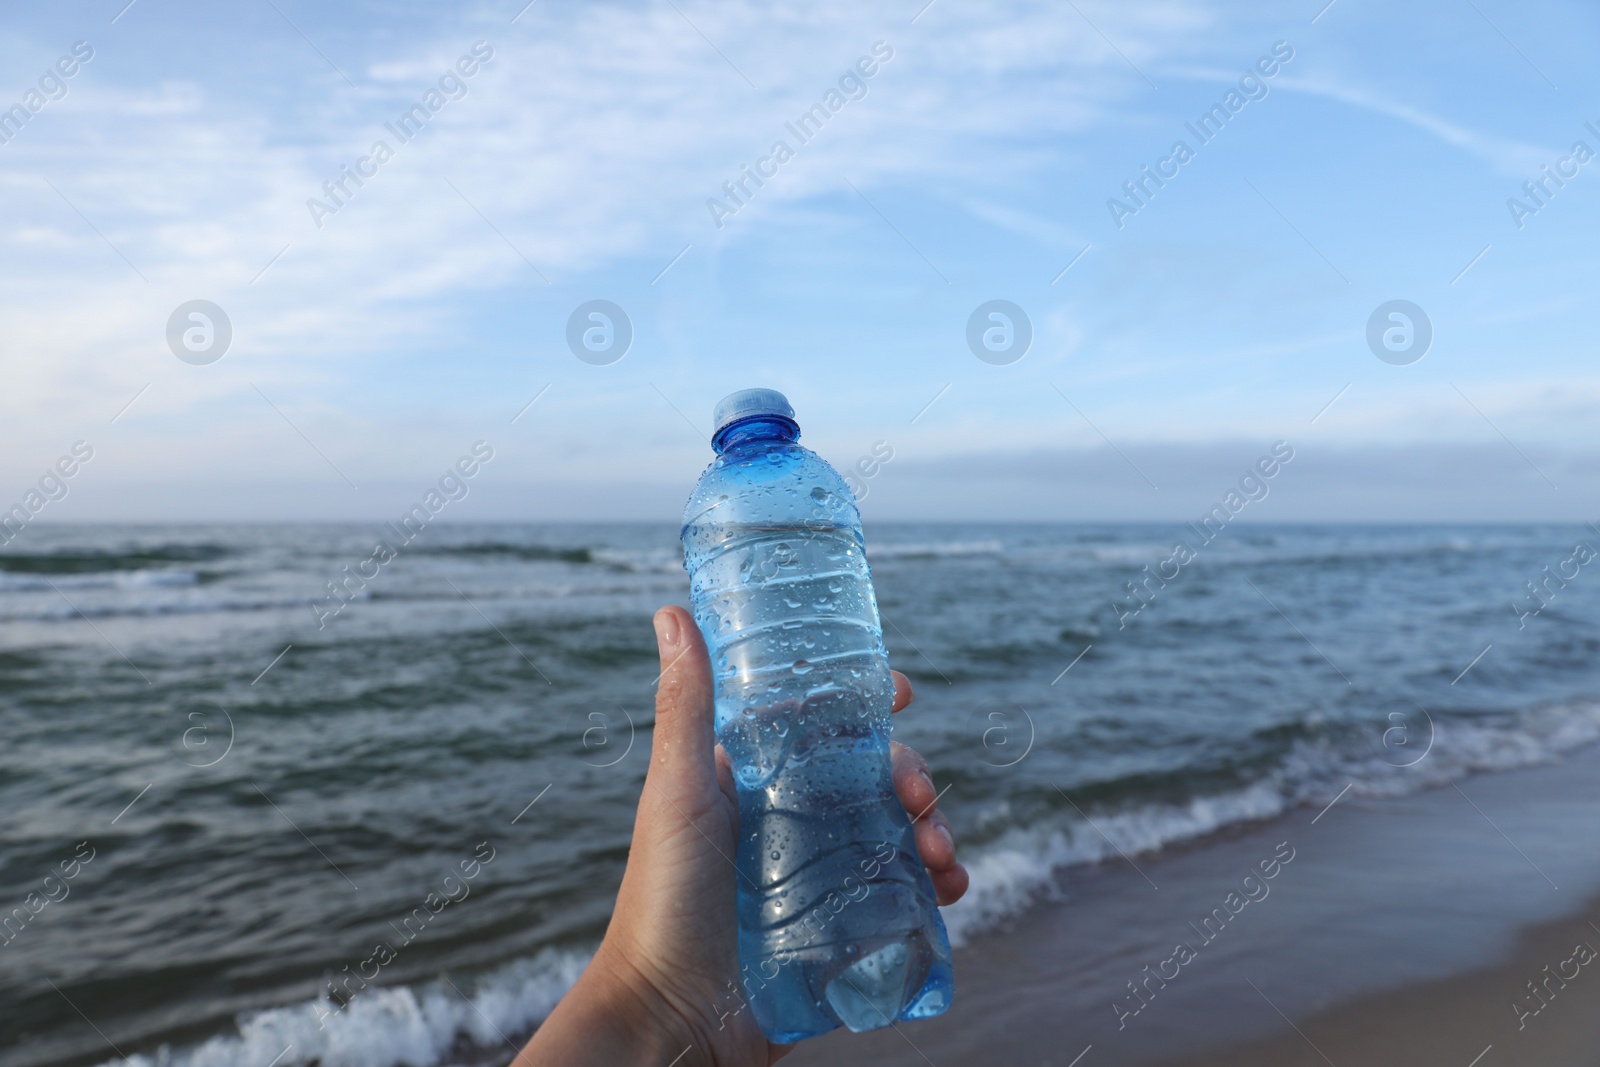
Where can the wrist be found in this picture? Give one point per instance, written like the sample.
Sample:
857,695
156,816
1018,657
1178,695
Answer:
613,1016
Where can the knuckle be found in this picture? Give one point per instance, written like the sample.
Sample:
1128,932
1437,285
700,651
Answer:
913,761
670,691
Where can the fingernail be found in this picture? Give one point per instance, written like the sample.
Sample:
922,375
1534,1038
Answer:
944,832
667,628
926,777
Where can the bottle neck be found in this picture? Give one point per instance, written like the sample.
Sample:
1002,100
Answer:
774,428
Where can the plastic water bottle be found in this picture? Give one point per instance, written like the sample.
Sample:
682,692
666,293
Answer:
837,917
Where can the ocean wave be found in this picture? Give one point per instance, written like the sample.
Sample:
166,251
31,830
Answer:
652,559
414,1026
661,560
1449,749
1247,549
102,560
879,550
1011,874
46,581
1131,554
534,553
1013,871
54,609
1345,554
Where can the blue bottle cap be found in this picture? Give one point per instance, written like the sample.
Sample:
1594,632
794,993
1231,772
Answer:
749,404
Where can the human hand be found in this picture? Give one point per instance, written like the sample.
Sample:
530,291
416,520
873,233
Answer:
664,986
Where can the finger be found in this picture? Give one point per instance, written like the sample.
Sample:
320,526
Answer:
679,887
950,886
931,828
937,847
912,781
903,693
681,756
935,844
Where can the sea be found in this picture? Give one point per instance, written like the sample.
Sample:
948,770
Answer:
254,780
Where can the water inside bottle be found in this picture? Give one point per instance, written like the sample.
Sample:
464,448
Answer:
834,901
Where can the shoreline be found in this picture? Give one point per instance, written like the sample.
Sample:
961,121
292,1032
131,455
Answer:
1365,931
1391,912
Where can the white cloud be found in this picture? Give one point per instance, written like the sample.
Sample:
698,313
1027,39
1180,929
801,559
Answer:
1508,157
591,143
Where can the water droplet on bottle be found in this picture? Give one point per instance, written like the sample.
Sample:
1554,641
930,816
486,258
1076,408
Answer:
801,667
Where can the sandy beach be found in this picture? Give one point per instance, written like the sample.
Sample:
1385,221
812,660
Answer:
1445,1021
1402,931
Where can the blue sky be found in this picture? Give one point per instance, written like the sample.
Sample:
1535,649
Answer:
577,162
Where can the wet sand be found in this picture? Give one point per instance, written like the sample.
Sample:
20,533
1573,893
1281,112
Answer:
1401,932
1455,1020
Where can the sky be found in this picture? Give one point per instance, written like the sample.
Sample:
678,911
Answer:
562,153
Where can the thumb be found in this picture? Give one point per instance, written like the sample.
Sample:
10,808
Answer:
682,760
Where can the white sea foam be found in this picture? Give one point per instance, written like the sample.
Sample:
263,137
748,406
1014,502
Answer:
137,579
1012,872
1237,550
53,609
891,550
400,1026
1459,746
662,560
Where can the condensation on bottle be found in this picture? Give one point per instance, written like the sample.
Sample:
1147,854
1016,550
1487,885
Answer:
838,923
